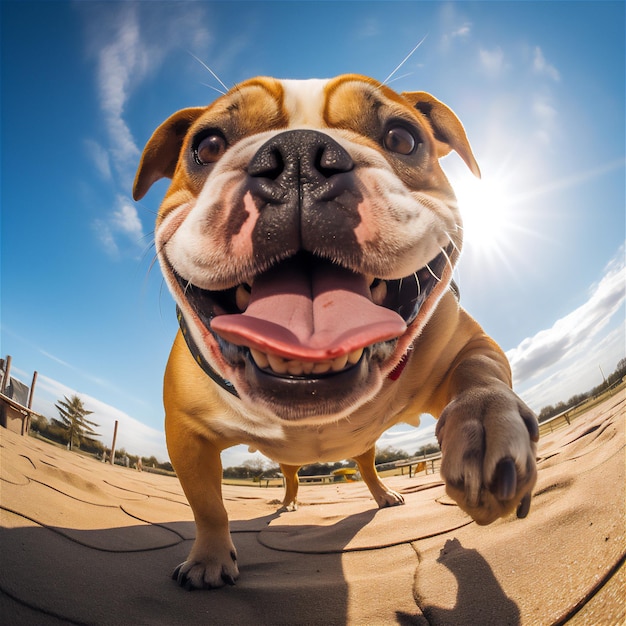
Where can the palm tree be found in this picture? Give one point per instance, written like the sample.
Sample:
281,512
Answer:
74,421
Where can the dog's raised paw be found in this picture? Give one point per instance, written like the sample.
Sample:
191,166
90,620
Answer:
488,442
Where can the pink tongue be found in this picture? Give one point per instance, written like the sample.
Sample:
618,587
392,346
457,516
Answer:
309,315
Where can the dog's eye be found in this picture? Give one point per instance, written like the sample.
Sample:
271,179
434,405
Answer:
400,140
209,149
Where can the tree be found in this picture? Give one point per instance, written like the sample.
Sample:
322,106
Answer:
429,448
389,454
78,429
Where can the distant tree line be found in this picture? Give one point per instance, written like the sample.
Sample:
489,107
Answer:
551,410
258,468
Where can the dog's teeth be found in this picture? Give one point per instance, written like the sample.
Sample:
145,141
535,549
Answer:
379,292
307,367
278,364
339,363
295,368
355,356
323,367
260,358
242,298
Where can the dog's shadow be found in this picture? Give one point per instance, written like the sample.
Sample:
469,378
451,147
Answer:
290,573
480,598
319,552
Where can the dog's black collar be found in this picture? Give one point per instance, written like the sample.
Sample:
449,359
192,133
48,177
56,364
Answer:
199,359
226,384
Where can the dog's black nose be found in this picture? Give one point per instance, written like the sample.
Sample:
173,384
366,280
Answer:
305,188
300,159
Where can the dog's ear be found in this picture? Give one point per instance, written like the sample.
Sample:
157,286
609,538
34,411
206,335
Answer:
161,153
447,128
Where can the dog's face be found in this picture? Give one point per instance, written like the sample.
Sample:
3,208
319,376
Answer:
307,235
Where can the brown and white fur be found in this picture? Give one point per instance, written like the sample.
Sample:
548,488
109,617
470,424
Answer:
308,237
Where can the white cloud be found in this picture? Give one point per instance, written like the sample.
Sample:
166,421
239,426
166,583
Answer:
408,438
121,64
492,61
567,345
127,220
462,31
545,117
542,67
100,158
124,221
130,43
105,235
579,372
367,28
543,110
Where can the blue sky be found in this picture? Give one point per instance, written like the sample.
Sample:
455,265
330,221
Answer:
538,85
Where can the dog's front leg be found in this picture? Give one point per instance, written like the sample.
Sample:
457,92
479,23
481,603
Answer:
212,561
487,435
382,494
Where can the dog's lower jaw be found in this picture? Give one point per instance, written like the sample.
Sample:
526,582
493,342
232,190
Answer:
311,400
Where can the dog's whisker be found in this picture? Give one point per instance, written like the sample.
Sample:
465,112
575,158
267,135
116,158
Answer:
406,58
453,243
417,282
448,261
143,207
400,77
206,67
212,87
437,278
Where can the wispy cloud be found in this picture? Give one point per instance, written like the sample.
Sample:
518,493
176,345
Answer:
492,61
542,67
122,63
367,28
123,221
99,157
578,372
545,117
575,334
126,219
129,43
462,31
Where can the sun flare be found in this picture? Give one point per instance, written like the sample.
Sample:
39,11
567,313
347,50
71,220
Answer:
486,211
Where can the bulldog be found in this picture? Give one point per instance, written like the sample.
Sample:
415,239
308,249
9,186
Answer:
308,237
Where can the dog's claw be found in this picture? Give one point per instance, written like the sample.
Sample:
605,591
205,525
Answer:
473,480
176,574
505,479
524,506
531,424
181,578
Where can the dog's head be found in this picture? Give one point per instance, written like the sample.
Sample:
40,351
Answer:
307,235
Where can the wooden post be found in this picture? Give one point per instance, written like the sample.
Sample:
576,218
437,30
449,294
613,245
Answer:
7,376
32,391
113,444
29,405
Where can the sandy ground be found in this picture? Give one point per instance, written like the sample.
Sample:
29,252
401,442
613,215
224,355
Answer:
86,543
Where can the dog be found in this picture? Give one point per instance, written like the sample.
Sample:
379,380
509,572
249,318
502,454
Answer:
308,237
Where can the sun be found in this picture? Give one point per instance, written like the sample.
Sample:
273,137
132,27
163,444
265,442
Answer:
485,207
493,219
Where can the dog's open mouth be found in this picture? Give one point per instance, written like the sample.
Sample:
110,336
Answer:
307,318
